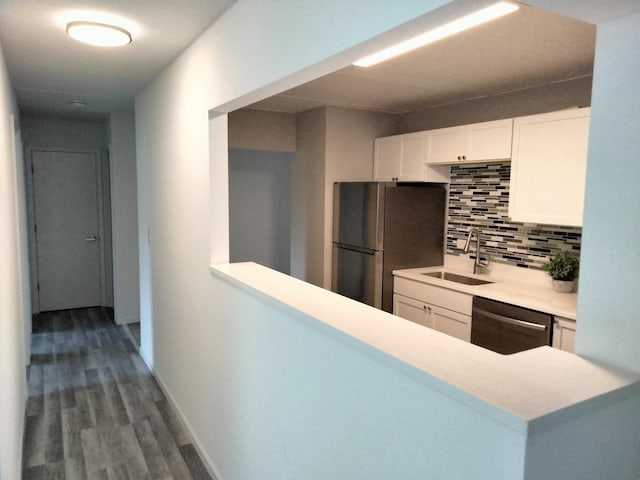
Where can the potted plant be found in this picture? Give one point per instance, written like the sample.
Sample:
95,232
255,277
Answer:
563,270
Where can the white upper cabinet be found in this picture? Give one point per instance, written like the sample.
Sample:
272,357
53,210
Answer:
548,168
402,158
473,143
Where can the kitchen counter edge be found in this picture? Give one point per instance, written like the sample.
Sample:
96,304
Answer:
523,294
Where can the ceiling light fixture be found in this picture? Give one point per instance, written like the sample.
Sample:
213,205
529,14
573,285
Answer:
464,23
98,34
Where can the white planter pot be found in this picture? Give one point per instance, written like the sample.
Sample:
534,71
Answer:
562,286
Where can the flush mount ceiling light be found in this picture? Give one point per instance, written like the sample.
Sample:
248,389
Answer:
98,34
464,23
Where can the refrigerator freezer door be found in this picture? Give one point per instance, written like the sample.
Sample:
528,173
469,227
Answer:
358,213
357,274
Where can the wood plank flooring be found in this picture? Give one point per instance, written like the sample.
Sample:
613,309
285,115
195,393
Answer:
94,410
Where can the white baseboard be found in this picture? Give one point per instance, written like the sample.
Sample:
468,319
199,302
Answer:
206,460
123,320
133,339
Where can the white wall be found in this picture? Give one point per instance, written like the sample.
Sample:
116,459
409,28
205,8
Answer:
292,399
193,324
124,217
13,295
609,304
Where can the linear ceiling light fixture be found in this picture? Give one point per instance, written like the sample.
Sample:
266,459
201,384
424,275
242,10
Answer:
98,34
474,19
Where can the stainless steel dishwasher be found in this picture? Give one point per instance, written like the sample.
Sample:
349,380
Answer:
508,329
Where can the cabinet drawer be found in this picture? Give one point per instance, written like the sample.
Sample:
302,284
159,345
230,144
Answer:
442,297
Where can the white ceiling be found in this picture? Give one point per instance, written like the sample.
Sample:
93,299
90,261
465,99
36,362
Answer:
527,48
48,69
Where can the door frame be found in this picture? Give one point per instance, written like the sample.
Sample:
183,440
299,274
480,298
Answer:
104,230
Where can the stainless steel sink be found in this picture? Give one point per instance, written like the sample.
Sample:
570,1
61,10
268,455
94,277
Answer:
453,277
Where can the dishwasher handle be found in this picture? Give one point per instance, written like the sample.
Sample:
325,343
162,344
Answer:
512,321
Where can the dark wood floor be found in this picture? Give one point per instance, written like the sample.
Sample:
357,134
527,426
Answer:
94,410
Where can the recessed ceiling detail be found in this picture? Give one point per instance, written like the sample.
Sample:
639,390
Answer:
467,22
525,49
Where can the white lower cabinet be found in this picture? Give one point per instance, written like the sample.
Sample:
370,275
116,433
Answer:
564,334
439,308
414,310
452,323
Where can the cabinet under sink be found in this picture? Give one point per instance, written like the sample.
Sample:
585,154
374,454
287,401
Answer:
441,309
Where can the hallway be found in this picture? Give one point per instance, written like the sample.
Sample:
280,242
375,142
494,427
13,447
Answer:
94,410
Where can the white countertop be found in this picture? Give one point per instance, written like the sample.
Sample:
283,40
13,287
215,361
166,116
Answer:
530,389
534,295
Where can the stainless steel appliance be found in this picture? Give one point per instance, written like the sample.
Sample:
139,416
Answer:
508,329
379,227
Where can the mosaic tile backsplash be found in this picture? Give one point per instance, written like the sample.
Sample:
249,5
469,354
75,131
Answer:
479,197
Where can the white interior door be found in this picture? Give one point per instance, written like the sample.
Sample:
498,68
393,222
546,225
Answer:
66,212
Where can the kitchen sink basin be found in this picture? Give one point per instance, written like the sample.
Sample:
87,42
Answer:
453,277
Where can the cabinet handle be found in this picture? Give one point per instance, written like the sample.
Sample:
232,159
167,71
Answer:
464,157
459,157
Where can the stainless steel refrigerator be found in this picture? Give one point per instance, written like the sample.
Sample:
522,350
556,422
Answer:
379,227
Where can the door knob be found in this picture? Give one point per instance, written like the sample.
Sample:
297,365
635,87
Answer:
92,238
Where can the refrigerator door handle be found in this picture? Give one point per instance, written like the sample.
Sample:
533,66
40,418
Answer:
351,248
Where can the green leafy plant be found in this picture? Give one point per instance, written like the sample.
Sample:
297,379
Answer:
562,266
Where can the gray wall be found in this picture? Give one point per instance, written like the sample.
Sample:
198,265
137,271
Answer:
307,221
545,98
260,208
124,217
14,312
63,132
260,130
71,133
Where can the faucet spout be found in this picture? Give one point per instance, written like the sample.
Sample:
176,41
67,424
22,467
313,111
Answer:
477,264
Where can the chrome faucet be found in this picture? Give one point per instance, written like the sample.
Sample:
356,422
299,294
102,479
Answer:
478,263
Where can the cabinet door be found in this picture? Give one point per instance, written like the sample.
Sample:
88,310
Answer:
548,168
489,141
412,310
446,145
477,142
387,158
450,322
564,334
412,157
